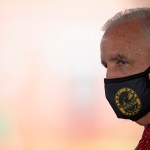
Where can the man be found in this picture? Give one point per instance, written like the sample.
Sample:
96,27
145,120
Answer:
125,52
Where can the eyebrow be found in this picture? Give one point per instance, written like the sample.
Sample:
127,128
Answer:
114,58
118,57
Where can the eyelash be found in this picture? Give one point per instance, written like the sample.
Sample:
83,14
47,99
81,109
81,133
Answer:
121,62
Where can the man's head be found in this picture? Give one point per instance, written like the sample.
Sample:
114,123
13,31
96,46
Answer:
125,46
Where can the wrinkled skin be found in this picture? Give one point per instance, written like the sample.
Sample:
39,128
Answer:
124,52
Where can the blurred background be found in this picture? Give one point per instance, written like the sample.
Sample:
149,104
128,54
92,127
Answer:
51,79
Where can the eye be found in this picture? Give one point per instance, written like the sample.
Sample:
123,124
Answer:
121,62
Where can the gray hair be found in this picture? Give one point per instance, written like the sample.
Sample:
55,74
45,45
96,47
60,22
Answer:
132,15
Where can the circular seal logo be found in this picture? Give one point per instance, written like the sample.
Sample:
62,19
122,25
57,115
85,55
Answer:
128,101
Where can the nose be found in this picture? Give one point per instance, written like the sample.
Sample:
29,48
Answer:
111,73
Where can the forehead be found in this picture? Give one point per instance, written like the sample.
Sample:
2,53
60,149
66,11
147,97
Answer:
123,39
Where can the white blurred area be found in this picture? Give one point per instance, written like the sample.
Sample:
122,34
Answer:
51,79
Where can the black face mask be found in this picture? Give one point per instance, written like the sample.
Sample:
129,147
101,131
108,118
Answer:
129,96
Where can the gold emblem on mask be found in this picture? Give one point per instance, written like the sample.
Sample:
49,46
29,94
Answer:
128,101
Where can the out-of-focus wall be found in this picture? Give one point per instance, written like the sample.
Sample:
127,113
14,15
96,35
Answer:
51,79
